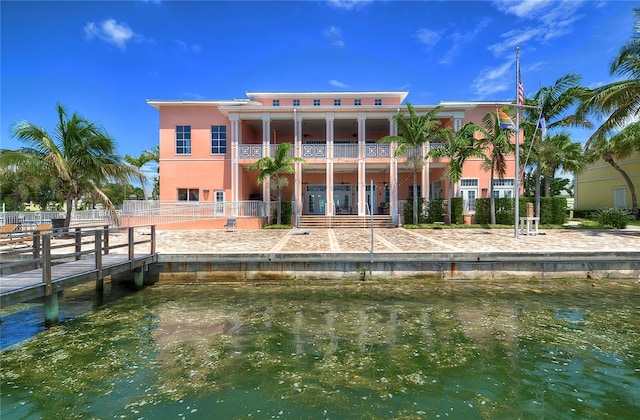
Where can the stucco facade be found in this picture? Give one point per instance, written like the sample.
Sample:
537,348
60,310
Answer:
206,148
601,186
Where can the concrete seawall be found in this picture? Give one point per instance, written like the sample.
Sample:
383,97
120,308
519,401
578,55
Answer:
247,267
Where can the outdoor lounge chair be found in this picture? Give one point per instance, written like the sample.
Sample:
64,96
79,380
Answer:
230,224
15,238
7,230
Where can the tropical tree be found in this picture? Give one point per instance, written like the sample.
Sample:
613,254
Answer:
498,141
276,170
620,146
557,105
413,133
559,152
618,102
139,162
79,155
154,155
458,146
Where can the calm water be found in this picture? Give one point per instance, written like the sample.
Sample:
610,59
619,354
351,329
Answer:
365,350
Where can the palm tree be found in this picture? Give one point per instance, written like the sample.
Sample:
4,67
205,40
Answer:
154,155
79,155
558,151
556,103
276,169
139,162
413,133
618,102
620,146
498,141
458,146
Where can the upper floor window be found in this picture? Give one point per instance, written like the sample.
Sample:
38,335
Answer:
276,102
188,194
469,182
296,102
316,102
378,102
357,102
183,139
218,139
336,102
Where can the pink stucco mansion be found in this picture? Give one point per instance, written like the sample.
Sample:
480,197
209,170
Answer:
207,146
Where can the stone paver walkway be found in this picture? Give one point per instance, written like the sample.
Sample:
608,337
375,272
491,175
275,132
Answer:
395,240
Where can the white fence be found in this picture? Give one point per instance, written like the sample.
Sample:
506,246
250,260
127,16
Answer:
161,212
37,217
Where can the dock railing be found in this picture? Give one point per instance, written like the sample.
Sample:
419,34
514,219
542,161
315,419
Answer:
57,246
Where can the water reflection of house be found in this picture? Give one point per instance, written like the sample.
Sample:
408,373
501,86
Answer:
206,148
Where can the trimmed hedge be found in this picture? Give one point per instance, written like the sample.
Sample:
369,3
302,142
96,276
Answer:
435,211
286,213
553,210
457,211
408,211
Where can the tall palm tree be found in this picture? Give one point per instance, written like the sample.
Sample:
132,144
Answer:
79,155
154,155
618,102
558,151
620,146
557,104
458,146
277,169
413,133
498,141
139,162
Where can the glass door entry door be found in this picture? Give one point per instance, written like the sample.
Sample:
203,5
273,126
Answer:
316,199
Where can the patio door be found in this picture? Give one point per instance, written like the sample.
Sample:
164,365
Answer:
316,199
219,203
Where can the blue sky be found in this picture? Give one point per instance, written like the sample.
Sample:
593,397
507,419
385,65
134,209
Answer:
103,59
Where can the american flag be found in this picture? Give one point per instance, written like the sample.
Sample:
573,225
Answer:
520,87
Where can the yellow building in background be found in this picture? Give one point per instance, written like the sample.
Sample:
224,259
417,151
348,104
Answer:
601,186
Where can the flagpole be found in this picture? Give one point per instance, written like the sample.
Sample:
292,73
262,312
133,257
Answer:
516,180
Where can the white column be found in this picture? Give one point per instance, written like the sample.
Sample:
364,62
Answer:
329,210
362,168
297,129
393,170
234,119
266,152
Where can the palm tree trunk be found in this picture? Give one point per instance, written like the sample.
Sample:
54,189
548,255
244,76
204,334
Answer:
632,189
449,202
67,218
492,200
279,210
415,198
537,175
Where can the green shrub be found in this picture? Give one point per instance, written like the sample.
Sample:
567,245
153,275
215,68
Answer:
457,211
483,211
435,210
286,213
612,218
408,211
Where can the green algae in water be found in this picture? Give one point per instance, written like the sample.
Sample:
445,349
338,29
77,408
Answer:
345,350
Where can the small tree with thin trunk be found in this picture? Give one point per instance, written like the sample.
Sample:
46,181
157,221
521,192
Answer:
276,170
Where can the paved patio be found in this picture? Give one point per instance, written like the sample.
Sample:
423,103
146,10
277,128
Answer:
395,240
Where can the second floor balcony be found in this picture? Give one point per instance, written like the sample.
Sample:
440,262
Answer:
319,151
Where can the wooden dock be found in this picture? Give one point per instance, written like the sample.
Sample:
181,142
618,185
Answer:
52,264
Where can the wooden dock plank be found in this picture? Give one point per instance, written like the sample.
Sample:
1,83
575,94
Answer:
27,285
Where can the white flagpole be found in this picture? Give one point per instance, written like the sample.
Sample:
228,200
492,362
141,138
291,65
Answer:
516,180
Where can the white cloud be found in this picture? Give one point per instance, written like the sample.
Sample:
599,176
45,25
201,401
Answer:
494,80
334,34
349,4
338,84
459,39
523,8
428,37
117,33
551,19
186,48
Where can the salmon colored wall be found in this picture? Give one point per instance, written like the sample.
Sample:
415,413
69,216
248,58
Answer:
328,101
211,174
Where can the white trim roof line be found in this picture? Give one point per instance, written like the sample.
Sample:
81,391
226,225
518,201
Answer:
156,103
329,94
